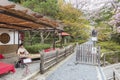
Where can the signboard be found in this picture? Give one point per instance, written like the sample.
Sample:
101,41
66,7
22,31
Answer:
94,50
27,60
94,38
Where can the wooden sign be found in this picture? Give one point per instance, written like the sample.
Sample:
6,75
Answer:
27,60
94,38
94,50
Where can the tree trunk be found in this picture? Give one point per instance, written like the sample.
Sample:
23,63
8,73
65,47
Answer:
42,37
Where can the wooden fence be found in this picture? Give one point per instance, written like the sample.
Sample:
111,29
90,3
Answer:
50,59
110,57
88,54
116,75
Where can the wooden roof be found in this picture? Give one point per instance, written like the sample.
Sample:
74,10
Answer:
13,18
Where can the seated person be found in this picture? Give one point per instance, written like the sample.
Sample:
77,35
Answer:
22,53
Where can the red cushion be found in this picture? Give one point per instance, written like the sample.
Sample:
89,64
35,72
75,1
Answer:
1,56
49,49
4,68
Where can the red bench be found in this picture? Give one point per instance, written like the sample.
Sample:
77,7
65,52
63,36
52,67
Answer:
5,68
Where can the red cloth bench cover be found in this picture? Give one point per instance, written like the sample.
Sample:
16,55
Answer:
1,56
48,50
4,68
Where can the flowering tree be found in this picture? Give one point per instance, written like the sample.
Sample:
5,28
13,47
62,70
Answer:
115,19
115,22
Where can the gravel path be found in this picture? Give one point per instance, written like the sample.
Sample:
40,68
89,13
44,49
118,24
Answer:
70,71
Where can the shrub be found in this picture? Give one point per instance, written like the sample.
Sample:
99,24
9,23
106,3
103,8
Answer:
81,41
116,37
37,47
109,46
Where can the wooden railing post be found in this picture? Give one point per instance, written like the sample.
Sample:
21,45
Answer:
117,58
72,49
98,55
104,59
57,56
65,52
114,75
42,62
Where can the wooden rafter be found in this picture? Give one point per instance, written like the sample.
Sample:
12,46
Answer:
23,15
15,25
11,27
16,13
10,6
13,20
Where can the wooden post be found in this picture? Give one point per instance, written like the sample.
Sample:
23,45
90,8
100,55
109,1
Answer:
104,60
98,55
18,39
54,39
114,75
14,37
72,50
42,62
57,56
65,52
61,39
116,57
77,53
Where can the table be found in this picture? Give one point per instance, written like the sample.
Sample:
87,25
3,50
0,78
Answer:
1,56
4,68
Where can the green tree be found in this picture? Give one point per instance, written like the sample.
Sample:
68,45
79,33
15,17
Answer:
74,19
75,22
17,1
48,7
102,19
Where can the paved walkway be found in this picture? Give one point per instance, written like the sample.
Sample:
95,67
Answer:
70,71
108,70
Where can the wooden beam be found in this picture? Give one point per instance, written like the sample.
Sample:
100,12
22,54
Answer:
22,15
12,27
10,6
14,15
12,20
15,25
